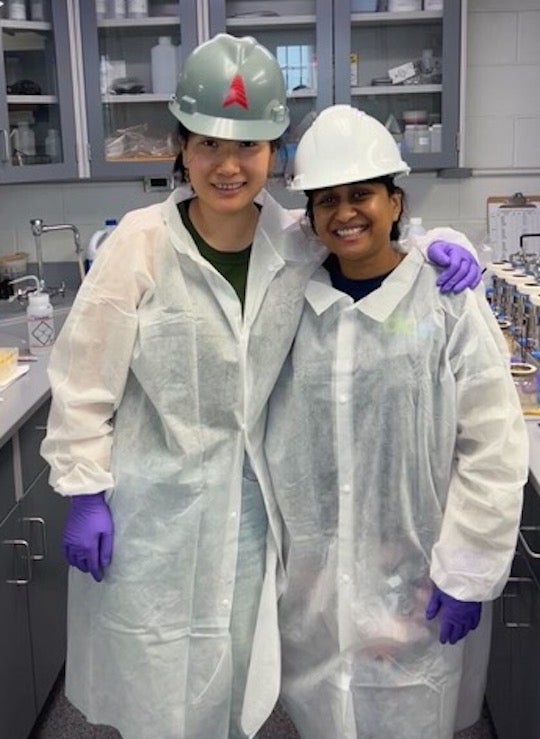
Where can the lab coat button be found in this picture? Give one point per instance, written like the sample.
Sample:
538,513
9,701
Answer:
234,514
343,398
345,578
345,489
225,602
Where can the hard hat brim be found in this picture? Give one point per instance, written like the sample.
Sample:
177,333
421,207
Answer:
227,128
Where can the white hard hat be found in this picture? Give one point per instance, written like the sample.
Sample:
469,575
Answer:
344,145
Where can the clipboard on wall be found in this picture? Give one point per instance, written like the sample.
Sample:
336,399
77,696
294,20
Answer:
508,218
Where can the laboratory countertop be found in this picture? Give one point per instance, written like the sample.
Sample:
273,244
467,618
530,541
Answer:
20,399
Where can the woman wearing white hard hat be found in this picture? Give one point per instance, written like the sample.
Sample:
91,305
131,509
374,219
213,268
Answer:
398,453
160,379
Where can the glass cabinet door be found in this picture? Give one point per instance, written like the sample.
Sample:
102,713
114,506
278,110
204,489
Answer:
299,34
132,50
402,67
37,129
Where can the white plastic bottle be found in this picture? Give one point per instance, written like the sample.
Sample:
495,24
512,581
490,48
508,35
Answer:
17,10
118,9
101,9
105,74
27,139
37,10
53,146
137,8
96,240
163,58
40,320
412,230
416,227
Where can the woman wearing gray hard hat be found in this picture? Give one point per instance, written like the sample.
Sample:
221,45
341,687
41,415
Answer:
160,380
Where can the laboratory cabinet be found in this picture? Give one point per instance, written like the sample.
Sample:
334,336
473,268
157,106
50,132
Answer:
128,82
37,114
514,671
403,68
334,53
33,581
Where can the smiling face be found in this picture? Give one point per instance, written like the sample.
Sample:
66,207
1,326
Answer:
354,222
226,175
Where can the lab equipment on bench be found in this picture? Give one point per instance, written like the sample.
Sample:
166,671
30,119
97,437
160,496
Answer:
96,240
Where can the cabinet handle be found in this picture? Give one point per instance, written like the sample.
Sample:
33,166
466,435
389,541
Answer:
41,523
5,153
24,544
507,596
40,428
523,540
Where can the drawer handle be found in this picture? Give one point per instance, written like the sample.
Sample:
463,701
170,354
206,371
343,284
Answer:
507,596
40,428
24,544
523,540
32,520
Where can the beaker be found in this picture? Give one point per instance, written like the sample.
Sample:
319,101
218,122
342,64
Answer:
524,376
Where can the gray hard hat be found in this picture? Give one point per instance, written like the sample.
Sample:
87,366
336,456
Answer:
232,88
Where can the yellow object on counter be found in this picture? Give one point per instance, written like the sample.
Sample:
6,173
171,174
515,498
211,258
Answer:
8,362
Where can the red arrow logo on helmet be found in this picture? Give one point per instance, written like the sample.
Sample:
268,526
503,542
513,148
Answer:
236,94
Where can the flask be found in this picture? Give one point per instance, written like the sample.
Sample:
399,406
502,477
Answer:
53,148
163,58
137,8
17,10
96,240
40,320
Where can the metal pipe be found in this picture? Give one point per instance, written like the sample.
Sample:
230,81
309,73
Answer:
39,228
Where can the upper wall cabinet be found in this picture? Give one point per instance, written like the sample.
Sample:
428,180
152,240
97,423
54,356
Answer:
400,63
37,123
131,53
398,60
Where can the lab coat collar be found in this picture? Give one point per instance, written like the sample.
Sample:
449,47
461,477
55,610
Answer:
275,222
379,304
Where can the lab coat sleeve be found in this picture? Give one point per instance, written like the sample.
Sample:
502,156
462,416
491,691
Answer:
472,558
438,234
90,362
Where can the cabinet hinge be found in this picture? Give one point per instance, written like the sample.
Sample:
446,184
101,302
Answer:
88,151
458,140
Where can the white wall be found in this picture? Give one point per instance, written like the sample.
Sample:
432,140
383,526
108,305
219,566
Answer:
501,144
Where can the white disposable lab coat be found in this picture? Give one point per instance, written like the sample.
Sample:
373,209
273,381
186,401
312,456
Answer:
159,391
398,454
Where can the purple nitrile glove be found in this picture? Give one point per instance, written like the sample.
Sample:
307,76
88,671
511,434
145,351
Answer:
461,270
456,617
88,534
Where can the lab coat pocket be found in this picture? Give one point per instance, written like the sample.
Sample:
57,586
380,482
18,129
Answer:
415,701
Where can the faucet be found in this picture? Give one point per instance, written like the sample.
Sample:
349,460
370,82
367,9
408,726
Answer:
39,228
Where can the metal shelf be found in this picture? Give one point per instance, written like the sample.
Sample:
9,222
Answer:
396,90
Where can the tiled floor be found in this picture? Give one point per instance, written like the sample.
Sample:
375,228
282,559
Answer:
59,720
